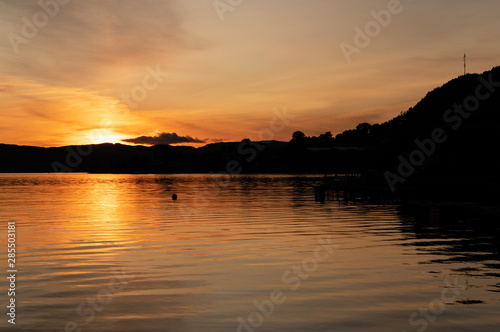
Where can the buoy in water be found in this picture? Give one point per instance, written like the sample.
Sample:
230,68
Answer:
174,197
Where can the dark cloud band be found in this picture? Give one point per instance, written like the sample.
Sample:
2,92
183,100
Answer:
164,138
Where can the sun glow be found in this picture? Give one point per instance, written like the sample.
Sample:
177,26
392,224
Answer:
99,136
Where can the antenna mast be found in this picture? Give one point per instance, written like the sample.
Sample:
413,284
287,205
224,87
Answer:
465,64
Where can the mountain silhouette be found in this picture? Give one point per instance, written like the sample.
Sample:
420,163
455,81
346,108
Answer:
445,145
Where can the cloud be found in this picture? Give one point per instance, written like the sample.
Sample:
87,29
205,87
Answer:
93,43
164,138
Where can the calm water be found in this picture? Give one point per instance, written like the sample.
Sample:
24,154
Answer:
115,253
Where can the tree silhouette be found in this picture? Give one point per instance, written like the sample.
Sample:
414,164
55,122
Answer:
364,127
298,136
326,136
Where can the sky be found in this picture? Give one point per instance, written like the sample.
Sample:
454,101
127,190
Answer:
194,72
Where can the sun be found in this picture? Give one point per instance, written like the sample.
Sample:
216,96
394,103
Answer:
99,136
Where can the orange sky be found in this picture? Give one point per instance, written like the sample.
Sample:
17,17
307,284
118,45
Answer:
65,71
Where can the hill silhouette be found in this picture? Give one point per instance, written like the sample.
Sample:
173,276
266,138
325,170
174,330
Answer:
449,139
